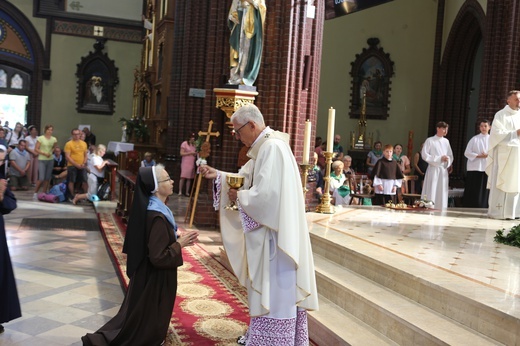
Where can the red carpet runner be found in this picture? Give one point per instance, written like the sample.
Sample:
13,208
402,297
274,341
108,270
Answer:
210,308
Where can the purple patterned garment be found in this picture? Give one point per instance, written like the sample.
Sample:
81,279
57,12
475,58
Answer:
217,186
248,223
265,331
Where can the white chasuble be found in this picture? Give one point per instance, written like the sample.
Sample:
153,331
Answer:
503,165
275,230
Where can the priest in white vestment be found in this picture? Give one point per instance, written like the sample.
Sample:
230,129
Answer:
437,152
503,161
267,240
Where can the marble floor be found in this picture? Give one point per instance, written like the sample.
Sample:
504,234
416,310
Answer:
66,282
457,241
68,287
453,249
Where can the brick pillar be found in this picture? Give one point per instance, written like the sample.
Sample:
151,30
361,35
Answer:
288,83
500,71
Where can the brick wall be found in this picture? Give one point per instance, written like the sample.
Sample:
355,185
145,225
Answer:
201,52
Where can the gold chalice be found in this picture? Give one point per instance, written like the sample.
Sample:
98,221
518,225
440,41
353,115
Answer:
235,182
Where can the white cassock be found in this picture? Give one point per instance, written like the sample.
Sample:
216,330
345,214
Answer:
267,242
503,165
436,180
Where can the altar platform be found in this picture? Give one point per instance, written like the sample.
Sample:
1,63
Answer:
391,277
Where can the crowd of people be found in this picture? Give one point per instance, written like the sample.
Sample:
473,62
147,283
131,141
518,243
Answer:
491,154
37,161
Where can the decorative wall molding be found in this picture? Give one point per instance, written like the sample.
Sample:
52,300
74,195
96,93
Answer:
73,28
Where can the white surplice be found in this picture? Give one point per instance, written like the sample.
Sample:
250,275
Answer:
476,194
436,180
503,165
477,145
267,242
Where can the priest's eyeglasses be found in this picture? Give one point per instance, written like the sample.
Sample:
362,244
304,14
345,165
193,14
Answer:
237,132
165,180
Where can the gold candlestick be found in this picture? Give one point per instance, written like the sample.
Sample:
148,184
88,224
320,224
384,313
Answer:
325,207
304,174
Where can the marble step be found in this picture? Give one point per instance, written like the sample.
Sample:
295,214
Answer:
402,320
479,307
333,326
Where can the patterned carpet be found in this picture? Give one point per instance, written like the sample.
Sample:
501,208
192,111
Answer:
210,308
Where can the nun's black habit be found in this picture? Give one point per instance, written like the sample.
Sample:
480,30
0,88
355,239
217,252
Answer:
153,258
9,302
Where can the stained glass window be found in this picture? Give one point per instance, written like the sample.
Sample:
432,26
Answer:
17,82
3,79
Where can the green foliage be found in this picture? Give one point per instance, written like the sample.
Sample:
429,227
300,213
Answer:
198,143
136,127
512,238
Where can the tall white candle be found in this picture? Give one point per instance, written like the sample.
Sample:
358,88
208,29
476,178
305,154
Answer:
330,129
306,142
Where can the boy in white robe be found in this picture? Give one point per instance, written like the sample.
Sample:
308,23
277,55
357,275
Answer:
267,240
503,161
437,152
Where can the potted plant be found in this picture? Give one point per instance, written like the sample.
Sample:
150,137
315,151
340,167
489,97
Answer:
136,128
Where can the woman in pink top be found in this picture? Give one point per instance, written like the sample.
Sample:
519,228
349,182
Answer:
188,157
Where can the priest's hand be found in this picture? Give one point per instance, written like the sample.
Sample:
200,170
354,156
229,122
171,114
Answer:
208,172
232,194
379,187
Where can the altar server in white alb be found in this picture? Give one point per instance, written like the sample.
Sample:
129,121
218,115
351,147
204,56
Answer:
267,239
476,193
503,161
437,152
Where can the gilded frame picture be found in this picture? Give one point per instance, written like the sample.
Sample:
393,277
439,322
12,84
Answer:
371,73
97,79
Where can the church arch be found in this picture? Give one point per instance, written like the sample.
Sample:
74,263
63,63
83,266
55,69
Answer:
22,53
454,86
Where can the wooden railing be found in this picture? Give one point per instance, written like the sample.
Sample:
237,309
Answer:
110,174
127,181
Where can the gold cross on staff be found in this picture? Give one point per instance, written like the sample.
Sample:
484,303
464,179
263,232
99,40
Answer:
208,135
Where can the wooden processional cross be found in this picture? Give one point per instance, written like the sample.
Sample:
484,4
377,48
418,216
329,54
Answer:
208,135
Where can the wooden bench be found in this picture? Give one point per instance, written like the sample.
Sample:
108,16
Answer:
127,182
110,175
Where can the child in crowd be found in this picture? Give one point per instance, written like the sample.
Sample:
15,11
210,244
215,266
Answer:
148,160
387,177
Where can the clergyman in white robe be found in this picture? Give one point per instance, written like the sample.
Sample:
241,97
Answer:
267,242
436,180
503,162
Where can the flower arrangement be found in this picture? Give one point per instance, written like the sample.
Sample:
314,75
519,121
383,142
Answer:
203,150
135,127
511,238
423,203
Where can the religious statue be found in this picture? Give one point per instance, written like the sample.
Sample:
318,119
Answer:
246,22
123,136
